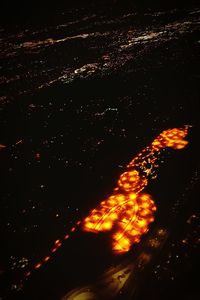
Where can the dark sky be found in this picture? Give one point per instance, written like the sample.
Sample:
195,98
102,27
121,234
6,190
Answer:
27,12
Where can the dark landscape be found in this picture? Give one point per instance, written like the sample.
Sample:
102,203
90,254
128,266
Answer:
85,86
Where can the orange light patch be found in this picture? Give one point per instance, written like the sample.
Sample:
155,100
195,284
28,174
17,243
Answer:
46,258
128,212
38,266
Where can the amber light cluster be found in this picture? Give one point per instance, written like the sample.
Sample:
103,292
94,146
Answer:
171,138
127,213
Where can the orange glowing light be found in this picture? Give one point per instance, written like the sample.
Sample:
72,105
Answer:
27,274
2,146
128,210
38,266
127,213
47,258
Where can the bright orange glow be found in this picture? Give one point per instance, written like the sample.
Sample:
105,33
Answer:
59,245
171,138
47,258
66,236
128,212
122,246
38,266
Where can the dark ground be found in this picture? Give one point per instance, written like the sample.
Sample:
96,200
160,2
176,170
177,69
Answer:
84,87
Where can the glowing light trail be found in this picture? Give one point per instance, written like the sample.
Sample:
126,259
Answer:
127,213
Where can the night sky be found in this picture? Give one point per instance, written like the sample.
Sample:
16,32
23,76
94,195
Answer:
84,88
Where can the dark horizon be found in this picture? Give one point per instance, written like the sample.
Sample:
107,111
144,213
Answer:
33,12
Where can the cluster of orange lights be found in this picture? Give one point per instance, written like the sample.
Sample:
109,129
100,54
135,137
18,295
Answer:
171,138
131,180
127,213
